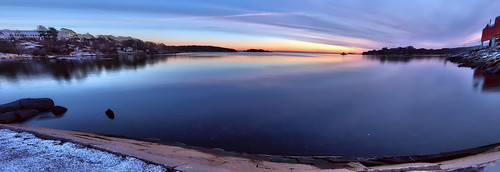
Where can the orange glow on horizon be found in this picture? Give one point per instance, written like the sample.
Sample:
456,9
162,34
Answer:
311,47
274,45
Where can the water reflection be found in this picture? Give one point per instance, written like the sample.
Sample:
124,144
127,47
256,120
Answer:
47,116
491,167
402,59
76,68
485,83
297,104
79,68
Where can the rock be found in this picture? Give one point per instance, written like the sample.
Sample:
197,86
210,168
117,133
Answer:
41,104
110,114
8,117
489,70
26,114
12,106
58,110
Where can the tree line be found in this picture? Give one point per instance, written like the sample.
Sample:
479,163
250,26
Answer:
52,44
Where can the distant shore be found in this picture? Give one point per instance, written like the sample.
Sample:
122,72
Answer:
257,50
65,42
410,51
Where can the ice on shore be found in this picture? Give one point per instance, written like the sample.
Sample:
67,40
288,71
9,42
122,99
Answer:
26,152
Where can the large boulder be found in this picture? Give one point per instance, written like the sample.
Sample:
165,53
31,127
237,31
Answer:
41,104
8,117
12,106
26,114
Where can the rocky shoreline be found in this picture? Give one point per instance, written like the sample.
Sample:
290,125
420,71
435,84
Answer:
411,51
486,59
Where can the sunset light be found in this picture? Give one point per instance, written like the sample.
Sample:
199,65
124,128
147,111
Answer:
250,85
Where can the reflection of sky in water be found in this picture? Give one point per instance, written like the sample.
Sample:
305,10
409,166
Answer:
298,104
189,69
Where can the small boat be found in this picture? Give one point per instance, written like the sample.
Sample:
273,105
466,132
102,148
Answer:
343,53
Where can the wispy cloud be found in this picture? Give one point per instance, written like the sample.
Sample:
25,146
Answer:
263,14
255,14
353,23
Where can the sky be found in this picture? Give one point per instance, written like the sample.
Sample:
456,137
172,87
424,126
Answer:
286,25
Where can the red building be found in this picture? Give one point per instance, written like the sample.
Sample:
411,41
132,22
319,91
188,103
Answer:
492,32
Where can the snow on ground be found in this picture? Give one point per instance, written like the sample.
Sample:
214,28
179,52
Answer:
30,45
26,152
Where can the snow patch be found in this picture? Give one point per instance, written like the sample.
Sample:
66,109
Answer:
26,152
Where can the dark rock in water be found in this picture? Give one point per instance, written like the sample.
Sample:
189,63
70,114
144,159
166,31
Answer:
26,114
110,114
41,104
8,117
59,110
12,106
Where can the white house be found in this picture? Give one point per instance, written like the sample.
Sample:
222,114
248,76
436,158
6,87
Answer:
30,34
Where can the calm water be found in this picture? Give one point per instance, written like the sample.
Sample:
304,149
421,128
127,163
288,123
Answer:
271,103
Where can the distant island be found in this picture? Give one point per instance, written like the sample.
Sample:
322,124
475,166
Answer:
410,50
257,50
199,48
50,42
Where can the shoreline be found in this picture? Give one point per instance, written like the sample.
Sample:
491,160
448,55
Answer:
190,159
486,59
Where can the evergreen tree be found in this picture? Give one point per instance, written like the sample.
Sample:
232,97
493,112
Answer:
42,30
52,33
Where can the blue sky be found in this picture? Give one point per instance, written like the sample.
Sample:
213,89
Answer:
310,25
